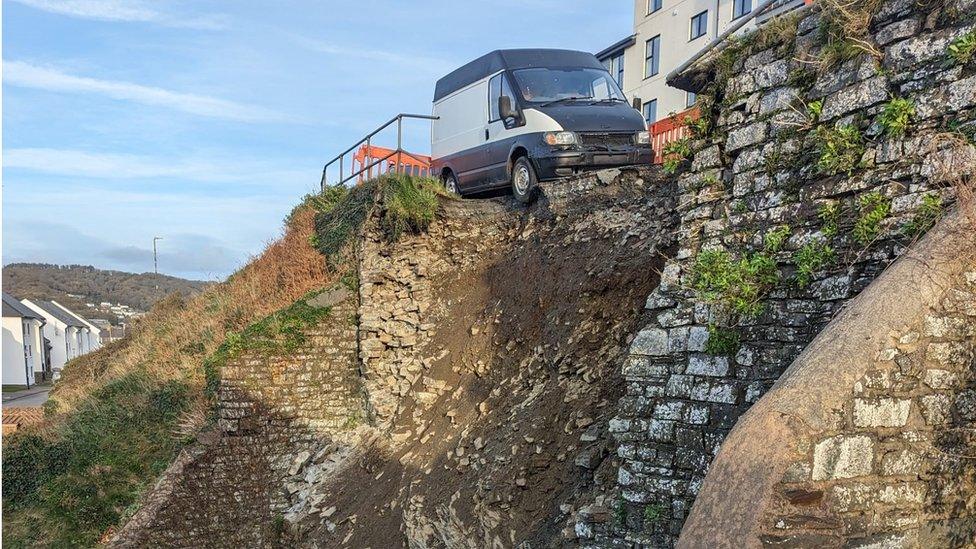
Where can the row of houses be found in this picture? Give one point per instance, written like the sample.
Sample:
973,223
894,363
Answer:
39,337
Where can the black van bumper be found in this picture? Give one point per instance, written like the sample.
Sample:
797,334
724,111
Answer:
554,164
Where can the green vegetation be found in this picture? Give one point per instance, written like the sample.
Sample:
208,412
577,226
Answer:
407,204
722,341
896,116
926,216
829,215
810,259
814,110
675,153
738,284
653,512
84,476
700,127
282,331
873,209
773,240
840,149
962,49
620,512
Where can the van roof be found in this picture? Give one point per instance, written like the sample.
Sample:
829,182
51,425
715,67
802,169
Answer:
497,60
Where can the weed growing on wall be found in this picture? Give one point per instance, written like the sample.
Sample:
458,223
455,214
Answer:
840,149
675,153
962,49
810,259
873,210
739,284
896,116
829,214
929,212
722,341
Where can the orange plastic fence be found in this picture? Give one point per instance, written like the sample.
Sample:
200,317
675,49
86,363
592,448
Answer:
402,162
670,129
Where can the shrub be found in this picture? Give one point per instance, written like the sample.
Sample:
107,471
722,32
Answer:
739,284
410,205
773,240
926,216
829,215
810,259
896,116
962,49
722,341
841,149
674,154
873,210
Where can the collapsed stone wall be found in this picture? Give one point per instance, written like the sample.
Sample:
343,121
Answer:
279,414
761,185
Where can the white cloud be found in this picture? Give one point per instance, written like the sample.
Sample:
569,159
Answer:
77,163
433,65
122,10
18,73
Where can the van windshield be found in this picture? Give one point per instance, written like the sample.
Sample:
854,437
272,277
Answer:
545,85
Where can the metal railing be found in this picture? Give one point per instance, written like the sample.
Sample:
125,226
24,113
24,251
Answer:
398,152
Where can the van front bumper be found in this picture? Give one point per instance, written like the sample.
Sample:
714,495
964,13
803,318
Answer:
554,164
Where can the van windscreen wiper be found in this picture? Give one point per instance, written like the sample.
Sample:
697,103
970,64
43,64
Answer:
611,100
571,98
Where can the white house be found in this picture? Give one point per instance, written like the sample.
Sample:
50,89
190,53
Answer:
91,338
23,343
66,333
666,34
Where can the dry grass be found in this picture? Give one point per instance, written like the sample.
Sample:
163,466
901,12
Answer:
172,341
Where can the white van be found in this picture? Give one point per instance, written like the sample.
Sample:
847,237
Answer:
516,117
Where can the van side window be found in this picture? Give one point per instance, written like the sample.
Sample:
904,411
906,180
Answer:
497,87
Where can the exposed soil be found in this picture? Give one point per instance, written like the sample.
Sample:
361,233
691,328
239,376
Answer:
529,342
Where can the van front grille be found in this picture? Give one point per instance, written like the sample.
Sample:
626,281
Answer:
606,141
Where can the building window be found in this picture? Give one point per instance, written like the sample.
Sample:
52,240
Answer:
690,99
654,5
650,111
652,56
615,66
740,8
699,25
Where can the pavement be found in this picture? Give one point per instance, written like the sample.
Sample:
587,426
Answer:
35,396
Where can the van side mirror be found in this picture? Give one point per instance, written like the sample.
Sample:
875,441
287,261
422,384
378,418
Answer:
638,103
505,108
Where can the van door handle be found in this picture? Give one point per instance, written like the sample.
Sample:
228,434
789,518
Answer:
486,134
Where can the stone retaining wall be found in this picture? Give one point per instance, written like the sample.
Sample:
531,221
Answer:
278,413
753,176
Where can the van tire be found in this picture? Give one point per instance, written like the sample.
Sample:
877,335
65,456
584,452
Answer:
451,184
524,180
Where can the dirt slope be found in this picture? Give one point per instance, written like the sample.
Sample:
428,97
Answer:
528,335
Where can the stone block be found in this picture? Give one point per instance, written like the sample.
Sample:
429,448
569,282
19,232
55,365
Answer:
939,379
885,412
650,342
747,135
936,409
714,391
843,456
855,98
642,366
901,463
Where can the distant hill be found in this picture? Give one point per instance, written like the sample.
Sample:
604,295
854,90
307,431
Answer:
76,285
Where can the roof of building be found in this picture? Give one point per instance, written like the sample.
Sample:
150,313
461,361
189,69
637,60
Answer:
498,60
74,315
13,307
617,48
60,314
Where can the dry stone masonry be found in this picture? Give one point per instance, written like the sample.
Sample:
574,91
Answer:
758,177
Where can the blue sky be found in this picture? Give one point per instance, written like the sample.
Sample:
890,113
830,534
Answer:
204,122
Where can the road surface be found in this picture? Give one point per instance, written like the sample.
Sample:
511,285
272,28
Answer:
35,396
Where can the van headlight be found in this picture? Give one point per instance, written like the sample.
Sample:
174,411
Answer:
562,138
642,138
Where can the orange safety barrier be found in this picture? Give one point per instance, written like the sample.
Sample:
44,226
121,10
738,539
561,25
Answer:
670,129
402,162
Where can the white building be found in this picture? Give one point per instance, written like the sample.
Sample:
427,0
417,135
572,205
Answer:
666,34
23,344
90,339
68,335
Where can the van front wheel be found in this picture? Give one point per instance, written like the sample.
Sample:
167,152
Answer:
524,180
451,184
